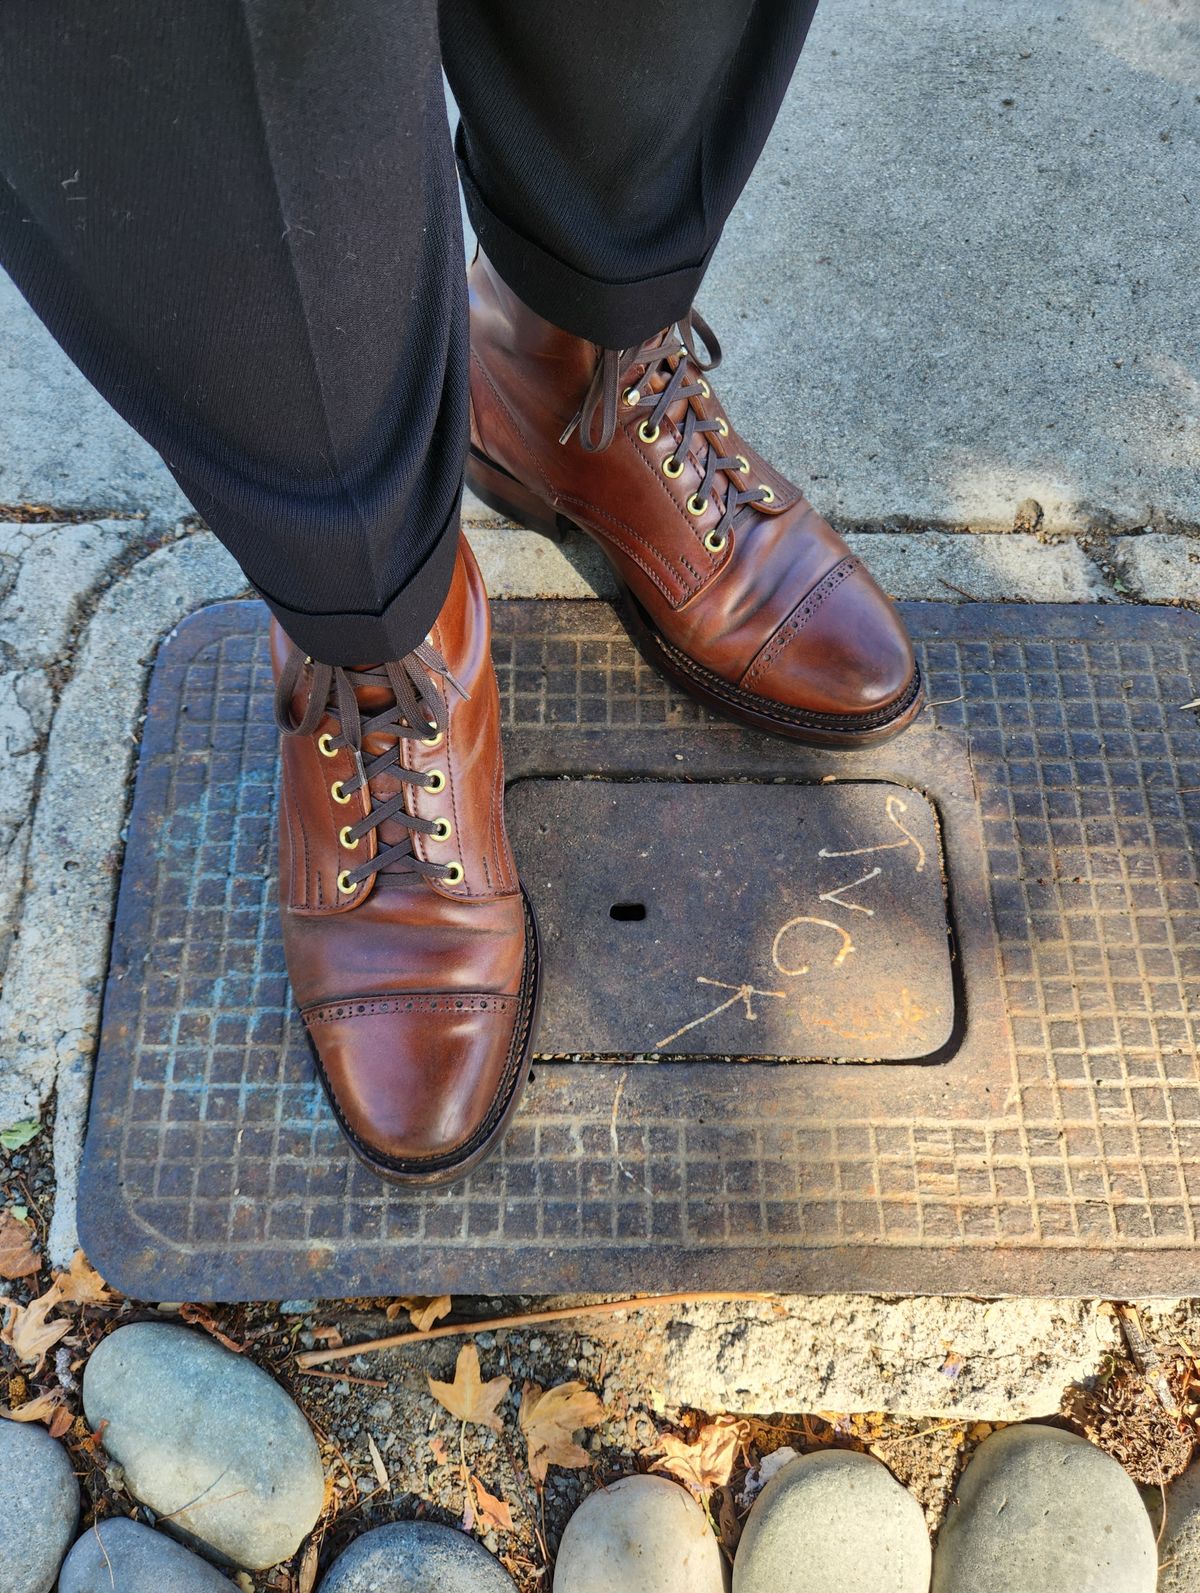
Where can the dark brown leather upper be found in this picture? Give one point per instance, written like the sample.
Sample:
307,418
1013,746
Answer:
415,991
783,612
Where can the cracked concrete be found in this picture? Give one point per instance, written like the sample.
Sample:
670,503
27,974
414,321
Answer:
975,1360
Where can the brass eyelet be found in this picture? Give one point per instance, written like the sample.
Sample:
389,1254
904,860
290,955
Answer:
714,543
767,495
454,874
344,884
325,743
435,781
743,464
667,464
442,831
347,840
705,388
338,792
647,433
722,427
696,506
631,397
434,740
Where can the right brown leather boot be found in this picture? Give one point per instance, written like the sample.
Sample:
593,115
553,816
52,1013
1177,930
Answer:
411,946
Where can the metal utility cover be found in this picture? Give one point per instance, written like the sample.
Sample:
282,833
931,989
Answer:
1051,1144
734,919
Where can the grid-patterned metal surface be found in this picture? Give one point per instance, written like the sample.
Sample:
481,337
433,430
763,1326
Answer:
1056,1147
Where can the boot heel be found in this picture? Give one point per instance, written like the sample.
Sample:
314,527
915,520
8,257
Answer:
507,496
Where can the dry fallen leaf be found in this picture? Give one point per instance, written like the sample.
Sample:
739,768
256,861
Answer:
381,1471
61,1422
81,1284
468,1398
423,1309
491,1513
18,1258
39,1409
200,1316
28,1333
709,1461
437,1448
550,1421
307,1578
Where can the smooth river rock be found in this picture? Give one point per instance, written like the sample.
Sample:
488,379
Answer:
416,1557
208,1439
1179,1551
642,1535
833,1519
1041,1508
39,1507
124,1554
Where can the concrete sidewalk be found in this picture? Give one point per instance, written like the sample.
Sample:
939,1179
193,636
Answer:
963,275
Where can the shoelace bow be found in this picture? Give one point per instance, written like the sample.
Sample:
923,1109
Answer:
417,712
661,354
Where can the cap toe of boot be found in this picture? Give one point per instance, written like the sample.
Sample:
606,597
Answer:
851,660
421,1083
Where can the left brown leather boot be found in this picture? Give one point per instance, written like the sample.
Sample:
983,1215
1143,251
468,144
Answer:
410,944
734,586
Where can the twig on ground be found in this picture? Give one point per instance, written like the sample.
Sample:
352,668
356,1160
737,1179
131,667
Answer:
309,1358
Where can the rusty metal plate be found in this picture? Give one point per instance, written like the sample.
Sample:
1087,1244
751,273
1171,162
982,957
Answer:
792,921
1053,1146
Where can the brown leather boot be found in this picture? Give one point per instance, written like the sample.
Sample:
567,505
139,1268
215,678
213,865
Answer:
734,586
411,946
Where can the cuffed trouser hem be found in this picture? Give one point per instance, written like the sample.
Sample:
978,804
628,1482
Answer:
612,314
350,639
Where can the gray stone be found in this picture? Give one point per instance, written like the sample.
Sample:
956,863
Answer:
1041,1508
415,1557
849,1352
132,1558
644,1534
206,1438
833,1519
1179,1550
39,1507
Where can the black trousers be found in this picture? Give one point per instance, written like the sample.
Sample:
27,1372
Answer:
240,219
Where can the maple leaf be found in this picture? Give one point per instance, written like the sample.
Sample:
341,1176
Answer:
467,1397
18,1258
81,1284
709,1461
28,1333
492,1514
550,1421
423,1309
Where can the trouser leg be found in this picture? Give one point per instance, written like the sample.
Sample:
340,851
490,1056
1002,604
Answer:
602,146
239,218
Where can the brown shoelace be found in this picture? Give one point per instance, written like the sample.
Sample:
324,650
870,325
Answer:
417,711
614,384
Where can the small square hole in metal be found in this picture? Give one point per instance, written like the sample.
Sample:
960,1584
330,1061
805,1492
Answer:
791,921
